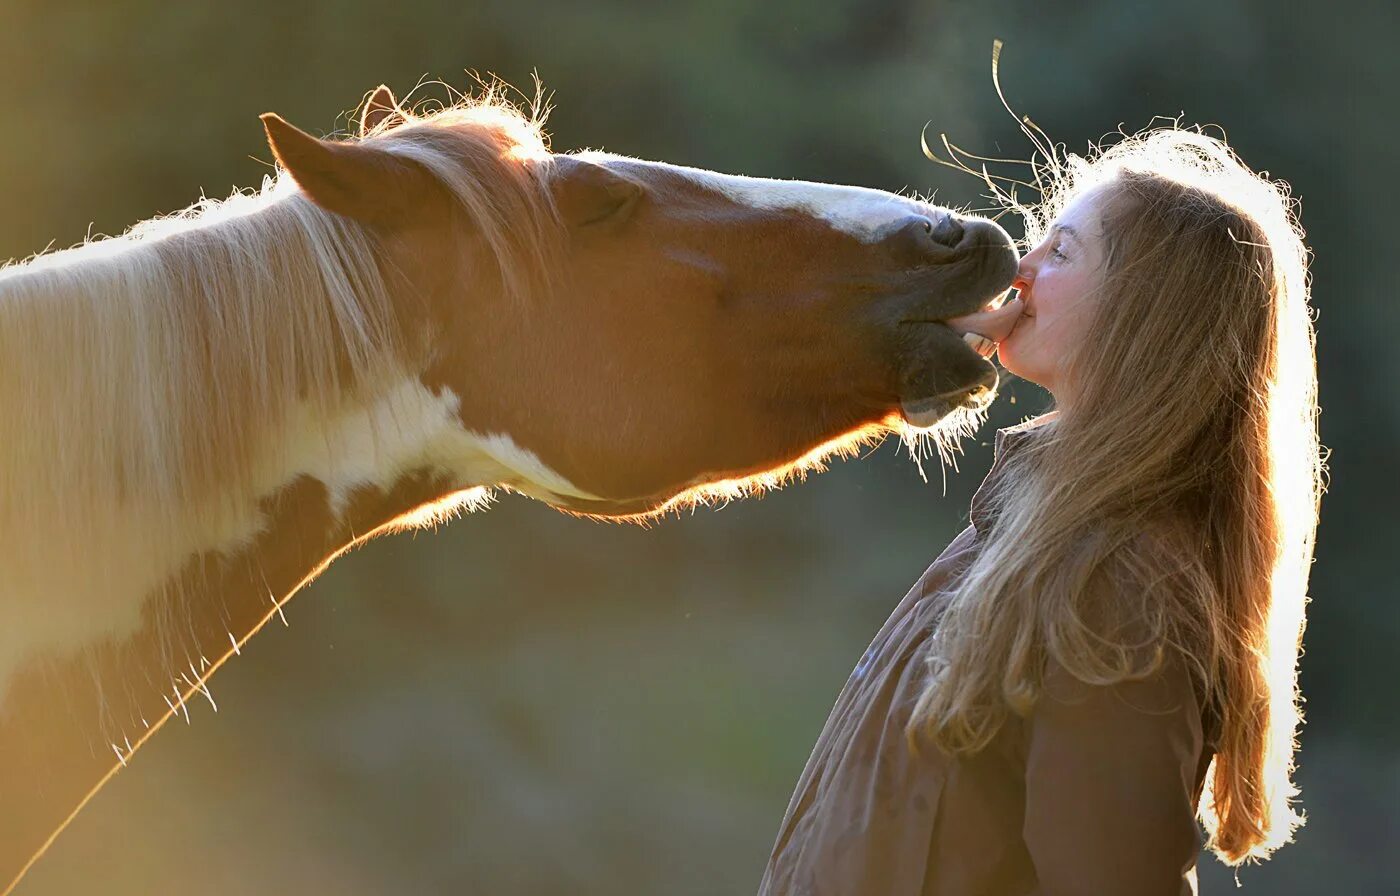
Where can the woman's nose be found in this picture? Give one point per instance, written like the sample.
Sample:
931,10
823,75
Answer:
1024,275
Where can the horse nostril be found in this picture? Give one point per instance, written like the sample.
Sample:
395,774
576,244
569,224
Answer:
925,235
949,231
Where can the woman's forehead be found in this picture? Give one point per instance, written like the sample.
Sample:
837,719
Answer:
1083,216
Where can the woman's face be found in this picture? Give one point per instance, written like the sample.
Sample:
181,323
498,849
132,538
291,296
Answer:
1057,283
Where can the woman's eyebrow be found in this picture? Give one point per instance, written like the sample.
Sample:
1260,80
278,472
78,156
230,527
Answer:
1065,228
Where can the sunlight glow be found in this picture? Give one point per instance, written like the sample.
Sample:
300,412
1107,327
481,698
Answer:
444,510
922,443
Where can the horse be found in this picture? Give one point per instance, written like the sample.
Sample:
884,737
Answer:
207,410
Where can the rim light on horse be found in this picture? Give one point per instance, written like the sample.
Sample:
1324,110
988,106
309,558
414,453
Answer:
206,411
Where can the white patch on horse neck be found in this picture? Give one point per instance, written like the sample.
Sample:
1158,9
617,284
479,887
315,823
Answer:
57,603
408,430
863,213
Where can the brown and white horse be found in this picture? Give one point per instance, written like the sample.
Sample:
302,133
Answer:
202,413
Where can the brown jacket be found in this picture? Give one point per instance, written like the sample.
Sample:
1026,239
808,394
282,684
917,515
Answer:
1093,794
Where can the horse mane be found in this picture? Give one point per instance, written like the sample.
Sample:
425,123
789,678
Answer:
149,379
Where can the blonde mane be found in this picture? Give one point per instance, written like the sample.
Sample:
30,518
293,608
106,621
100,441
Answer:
153,381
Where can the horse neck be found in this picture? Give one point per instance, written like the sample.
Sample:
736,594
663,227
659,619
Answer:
203,422
159,378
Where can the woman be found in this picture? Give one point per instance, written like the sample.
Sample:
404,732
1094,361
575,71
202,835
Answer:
1109,650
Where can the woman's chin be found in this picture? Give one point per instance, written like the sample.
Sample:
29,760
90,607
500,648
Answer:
1011,359
1008,357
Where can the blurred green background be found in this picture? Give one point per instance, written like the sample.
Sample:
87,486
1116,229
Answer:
525,703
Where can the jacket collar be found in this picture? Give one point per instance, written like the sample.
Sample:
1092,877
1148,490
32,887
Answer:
1007,443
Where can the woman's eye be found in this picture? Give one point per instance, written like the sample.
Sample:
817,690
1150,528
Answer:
1057,254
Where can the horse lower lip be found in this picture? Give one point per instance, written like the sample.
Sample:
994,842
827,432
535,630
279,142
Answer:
925,413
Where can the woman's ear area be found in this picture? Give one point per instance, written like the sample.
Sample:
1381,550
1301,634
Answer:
589,193
357,180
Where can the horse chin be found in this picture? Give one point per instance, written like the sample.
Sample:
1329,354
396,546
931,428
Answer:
933,413
936,426
926,413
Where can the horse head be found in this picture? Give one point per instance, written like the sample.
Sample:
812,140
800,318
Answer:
646,331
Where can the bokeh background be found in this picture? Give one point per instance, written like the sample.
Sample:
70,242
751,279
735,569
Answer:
525,703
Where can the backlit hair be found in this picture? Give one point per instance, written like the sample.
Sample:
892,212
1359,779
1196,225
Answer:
1187,476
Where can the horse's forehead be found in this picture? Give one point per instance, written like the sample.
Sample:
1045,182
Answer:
863,213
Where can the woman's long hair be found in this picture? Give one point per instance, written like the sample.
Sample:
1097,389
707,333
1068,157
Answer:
1189,467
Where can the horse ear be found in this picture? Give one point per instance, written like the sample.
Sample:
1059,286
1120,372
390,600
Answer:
358,180
381,111
588,193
